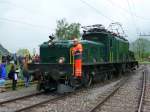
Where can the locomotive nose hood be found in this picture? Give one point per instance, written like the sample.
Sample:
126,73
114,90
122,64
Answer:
53,52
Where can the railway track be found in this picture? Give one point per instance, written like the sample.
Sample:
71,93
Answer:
144,99
47,105
22,102
25,103
141,98
42,102
20,97
111,93
52,99
29,102
107,102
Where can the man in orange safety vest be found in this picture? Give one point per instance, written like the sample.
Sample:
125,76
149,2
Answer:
77,53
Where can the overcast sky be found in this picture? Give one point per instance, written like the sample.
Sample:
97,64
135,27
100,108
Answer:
27,23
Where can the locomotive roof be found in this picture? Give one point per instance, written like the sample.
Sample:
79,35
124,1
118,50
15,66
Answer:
100,29
70,43
108,34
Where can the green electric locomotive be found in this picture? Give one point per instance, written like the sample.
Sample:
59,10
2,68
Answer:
105,55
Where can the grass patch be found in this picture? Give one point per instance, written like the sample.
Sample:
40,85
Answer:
20,83
144,62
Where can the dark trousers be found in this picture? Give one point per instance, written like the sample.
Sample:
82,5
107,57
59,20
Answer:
26,79
14,83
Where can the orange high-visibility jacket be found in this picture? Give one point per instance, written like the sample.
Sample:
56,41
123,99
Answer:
77,52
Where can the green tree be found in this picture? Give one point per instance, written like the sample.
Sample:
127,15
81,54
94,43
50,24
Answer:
141,48
23,52
66,31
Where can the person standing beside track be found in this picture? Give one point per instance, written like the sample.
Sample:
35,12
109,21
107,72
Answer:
26,72
2,77
77,53
13,76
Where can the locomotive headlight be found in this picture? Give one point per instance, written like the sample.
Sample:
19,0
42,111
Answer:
49,43
61,60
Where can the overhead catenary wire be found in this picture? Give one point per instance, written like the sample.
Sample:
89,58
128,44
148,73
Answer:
22,22
86,3
99,12
18,6
140,17
5,19
43,27
34,11
132,17
96,10
126,11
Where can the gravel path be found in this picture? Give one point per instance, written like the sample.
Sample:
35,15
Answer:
17,93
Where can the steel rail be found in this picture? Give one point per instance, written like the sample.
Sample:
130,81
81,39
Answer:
21,97
51,100
40,103
142,92
99,104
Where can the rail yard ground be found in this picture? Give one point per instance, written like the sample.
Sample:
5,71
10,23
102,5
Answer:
20,85
125,94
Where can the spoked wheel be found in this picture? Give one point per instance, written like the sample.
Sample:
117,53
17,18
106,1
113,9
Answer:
87,80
